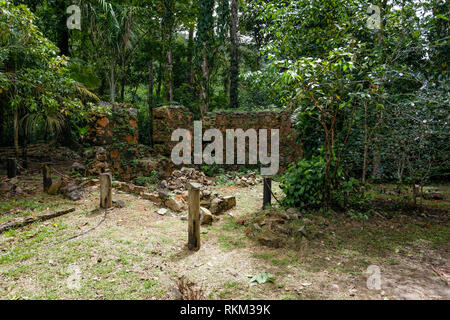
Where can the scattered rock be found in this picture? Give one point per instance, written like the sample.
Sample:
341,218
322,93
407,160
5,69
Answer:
119,203
89,153
179,178
54,188
282,229
206,216
269,242
154,197
293,212
302,231
220,205
79,167
99,164
284,215
162,211
5,187
174,204
72,192
249,179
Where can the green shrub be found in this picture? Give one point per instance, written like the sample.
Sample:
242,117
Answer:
142,181
212,170
153,178
305,184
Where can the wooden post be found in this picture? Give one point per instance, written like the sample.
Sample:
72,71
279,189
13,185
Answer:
12,168
46,177
105,190
194,215
267,196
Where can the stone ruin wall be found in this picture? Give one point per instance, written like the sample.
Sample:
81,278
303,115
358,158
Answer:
169,118
117,149
115,137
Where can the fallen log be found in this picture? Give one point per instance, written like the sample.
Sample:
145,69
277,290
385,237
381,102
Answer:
18,223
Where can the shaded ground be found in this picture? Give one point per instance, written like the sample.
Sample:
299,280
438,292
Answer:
137,254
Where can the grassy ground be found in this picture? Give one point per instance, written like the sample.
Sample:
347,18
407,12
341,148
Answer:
137,254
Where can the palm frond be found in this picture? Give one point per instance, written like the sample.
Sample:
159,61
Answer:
85,93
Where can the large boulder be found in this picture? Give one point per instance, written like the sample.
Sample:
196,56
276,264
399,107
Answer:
221,204
76,166
55,186
73,192
174,204
5,187
206,216
153,197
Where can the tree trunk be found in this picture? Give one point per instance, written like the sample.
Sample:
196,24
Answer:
234,55
167,27
16,132
204,88
366,145
63,31
112,84
168,86
151,76
158,88
190,72
123,84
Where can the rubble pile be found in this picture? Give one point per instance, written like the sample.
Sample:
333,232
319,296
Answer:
100,162
10,188
249,179
69,189
178,179
212,204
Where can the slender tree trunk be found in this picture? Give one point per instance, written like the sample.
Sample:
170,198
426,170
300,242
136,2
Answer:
112,82
204,96
167,27
16,132
151,77
123,84
226,84
122,89
160,71
24,151
234,55
169,78
63,35
366,145
190,72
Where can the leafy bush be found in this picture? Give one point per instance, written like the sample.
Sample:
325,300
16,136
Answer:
142,181
304,185
212,170
145,181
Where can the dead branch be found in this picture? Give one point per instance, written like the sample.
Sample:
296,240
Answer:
18,223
